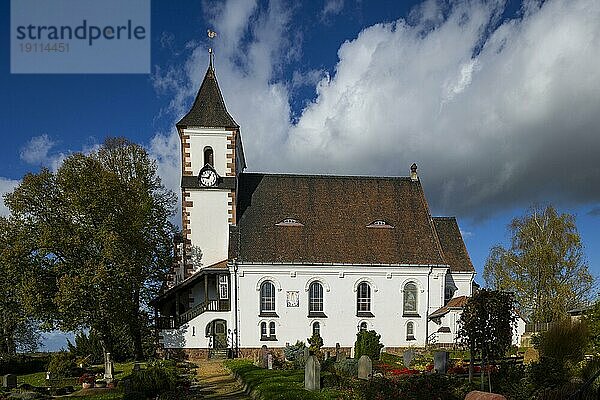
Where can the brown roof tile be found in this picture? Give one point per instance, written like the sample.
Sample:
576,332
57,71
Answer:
453,246
335,212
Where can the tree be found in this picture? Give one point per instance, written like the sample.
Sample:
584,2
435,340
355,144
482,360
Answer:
100,240
544,266
368,343
18,332
486,326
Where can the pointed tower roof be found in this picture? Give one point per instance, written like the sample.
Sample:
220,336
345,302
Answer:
209,109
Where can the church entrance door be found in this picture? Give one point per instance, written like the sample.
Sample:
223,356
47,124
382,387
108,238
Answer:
220,334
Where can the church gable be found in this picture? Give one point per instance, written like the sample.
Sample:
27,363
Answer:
336,215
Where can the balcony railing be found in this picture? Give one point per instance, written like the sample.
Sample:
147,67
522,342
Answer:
170,322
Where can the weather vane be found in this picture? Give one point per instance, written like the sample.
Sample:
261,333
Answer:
211,35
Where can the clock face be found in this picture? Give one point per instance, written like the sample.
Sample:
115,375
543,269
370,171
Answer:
208,178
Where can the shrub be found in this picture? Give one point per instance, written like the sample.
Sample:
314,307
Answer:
368,343
347,367
315,343
295,354
22,364
134,396
157,378
61,365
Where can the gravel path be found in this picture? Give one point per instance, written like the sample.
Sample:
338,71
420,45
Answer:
215,382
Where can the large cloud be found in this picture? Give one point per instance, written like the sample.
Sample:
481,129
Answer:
496,115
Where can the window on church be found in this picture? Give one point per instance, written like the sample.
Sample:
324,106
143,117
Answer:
315,300
223,287
263,330
289,222
272,329
363,300
410,331
448,293
410,299
379,223
362,327
208,156
267,298
316,328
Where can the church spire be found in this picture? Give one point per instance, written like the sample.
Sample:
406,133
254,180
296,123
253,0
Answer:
208,110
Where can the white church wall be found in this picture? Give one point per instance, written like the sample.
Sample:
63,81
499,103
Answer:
192,335
215,138
209,224
463,282
339,283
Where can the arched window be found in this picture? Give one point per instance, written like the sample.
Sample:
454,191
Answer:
316,328
267,297
315,298
410,331
410,299
363,299
363,326
208,156
272,329
263,330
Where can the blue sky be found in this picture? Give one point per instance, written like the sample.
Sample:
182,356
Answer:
498,103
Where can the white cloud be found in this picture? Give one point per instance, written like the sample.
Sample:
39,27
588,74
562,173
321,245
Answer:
37,152
6,186
494,116
332,8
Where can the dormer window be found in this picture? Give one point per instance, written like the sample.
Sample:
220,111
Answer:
380,223
289,222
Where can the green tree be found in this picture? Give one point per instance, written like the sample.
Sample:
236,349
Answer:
486,326
18,332
100,241
544,266
368,343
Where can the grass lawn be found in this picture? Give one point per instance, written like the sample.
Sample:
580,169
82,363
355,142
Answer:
277,384
121,371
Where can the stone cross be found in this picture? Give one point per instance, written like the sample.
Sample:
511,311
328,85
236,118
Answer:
365,367
9,381
440,361
109,368
407,357
270,361
312,374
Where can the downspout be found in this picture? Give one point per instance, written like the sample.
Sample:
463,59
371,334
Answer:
427,310
235,305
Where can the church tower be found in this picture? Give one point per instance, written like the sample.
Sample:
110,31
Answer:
212,159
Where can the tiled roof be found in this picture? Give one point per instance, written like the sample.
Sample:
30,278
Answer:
456,302
209,109
335,212
453,246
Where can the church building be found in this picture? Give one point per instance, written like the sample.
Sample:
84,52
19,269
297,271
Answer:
269,259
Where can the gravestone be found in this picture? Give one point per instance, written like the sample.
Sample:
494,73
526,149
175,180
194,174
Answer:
440,361
327,355
9,381
337,352
531,355
263,358
312,374
109,368
408,357
365,367
305,354
270,361
48,375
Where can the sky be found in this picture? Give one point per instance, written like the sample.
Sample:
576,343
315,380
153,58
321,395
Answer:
497,102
